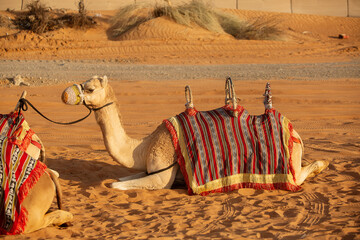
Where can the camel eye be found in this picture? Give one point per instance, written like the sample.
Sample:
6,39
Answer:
89,90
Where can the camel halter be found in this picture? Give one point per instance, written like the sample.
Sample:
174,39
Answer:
82,96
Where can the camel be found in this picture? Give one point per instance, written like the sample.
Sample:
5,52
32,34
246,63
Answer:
38,202
39,199
154,155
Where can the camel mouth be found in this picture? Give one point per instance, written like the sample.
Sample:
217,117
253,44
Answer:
73,95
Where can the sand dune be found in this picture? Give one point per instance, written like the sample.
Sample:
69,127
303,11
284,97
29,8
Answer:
160,41
325,113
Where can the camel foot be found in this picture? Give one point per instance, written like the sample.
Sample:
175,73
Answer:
55,218
58,217
155,181
320,166
118,185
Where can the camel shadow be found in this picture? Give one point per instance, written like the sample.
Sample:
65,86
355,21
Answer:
87,173
93,173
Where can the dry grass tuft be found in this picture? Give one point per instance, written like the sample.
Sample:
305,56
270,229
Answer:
129,17
197,13
260,28
188,14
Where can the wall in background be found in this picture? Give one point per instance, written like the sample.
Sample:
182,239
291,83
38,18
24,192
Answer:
343,8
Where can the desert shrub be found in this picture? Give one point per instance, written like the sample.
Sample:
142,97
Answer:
36,18
40,19
197,13
80,19
264,28
259,28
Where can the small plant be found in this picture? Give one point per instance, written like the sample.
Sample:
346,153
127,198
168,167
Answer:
36,19
40,19
80,19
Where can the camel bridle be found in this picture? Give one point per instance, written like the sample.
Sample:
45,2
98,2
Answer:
81,89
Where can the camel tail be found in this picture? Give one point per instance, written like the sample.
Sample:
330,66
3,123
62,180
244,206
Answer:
42,152
55,179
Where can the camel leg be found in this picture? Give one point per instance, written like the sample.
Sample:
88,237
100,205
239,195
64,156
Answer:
38,202
301,173
55,218
156,181
311,170
131,177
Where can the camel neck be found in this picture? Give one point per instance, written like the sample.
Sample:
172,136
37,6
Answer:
119,145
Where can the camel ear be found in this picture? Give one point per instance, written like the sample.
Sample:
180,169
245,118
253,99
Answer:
104,81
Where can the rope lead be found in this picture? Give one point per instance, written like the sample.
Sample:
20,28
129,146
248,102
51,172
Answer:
23,106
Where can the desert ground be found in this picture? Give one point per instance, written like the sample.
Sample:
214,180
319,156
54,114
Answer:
324,107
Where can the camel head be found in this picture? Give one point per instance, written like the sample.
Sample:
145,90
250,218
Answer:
93,93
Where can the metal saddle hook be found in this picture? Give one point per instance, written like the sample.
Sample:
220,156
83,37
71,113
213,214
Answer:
230,96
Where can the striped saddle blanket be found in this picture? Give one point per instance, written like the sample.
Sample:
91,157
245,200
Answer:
218,152
18,172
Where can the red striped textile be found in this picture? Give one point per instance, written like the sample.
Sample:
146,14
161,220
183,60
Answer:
15,127
18,173
218,152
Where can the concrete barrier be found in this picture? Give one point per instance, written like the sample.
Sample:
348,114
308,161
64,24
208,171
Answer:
320,7
354,8
265,5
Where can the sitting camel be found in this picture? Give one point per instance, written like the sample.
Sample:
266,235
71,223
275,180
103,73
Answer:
157,154
38,188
